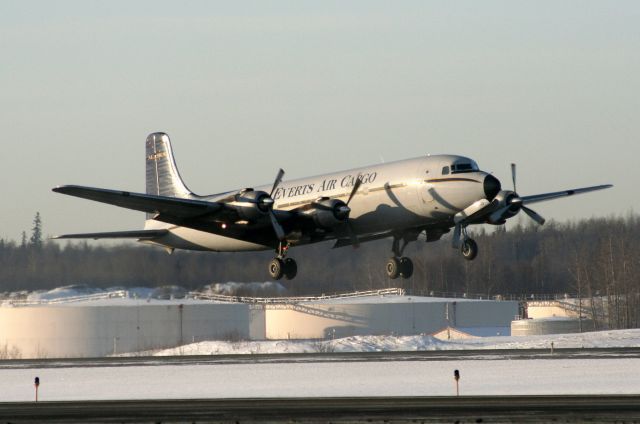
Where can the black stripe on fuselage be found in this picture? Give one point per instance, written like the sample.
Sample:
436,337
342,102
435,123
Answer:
446,180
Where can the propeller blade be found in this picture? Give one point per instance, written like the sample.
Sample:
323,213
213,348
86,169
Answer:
355,188
513,176
533,215
276,226
352,235
277,182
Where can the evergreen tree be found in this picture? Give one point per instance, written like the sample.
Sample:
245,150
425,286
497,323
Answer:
36,231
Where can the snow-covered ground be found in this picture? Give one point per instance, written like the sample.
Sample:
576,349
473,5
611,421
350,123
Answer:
156,380
326,379
600,339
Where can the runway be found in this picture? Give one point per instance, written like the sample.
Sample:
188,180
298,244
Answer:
568,385
471,409
434,355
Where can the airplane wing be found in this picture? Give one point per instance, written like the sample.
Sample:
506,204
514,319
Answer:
197,214
140,235
180,208
549,196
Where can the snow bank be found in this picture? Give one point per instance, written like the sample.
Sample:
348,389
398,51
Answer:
75,291
62,293
265,289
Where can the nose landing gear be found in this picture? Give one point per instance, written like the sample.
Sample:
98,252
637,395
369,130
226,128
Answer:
281,266
469,247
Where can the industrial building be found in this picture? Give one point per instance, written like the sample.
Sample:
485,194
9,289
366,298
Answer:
114,323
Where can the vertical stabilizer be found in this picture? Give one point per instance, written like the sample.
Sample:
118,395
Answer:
163,178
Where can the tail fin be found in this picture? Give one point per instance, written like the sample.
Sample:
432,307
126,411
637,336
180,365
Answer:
163,178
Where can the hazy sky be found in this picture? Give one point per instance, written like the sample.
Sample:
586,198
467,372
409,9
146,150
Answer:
244,88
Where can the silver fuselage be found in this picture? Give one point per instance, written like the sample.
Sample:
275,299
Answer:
396,196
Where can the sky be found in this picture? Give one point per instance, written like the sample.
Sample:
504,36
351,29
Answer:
245,88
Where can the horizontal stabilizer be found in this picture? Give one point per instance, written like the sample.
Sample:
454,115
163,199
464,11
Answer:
171,206
139,234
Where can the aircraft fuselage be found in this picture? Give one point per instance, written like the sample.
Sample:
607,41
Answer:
407,194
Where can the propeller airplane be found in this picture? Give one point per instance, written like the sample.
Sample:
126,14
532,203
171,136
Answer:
427,195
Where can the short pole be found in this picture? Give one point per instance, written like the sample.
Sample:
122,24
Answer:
456,376
36,384
552,348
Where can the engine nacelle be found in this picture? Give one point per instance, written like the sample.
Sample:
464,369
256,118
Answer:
252,205
506,209
329,213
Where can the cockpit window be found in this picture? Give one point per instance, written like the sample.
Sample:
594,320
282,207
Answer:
457,168
445,170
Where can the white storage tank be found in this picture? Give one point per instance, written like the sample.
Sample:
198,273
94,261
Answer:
397,315
89,329
550,325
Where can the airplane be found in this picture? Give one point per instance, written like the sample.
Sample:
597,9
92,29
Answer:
401,200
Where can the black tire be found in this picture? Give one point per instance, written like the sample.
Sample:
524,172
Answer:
406,267
469,249
276,268
393,268
290,269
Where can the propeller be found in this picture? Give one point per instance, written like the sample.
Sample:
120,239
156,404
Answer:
515,202
268,202
509,204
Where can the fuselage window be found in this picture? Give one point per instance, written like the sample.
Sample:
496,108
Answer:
445,170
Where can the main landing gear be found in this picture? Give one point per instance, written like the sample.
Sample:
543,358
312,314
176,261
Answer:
469,249
281,266
398,265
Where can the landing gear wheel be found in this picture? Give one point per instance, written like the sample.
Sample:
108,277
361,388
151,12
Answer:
276,268
290,269
393,268
406,267
469,249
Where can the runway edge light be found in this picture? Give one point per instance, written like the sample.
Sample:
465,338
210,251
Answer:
456,376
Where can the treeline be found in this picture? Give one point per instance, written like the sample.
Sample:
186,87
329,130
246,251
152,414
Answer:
593,257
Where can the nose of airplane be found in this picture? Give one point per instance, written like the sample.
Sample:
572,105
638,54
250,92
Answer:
491,187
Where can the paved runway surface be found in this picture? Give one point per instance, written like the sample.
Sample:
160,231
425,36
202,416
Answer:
476,409
434,355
